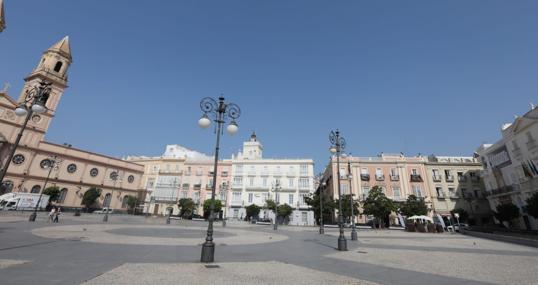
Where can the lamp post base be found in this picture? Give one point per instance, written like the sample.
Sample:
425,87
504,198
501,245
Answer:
32,217
208,252
168,220
354,234
105,218
342,244
321,230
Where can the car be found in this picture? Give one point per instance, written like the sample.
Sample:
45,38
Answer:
456,227
104,211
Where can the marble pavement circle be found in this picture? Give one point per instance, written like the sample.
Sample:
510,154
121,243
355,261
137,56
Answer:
155,235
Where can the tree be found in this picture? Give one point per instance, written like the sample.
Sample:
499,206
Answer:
131,202
506,212
53,192
532,205
464,215
207,207
186,207
328,206
346,207
253,210
378,205
90,197
284,210
270,204
414,206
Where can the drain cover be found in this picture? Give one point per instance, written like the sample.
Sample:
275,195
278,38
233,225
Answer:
212,266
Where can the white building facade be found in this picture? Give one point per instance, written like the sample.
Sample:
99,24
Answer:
255,179
511,166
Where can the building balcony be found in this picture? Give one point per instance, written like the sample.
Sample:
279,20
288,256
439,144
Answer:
437,178
196,187
365,177
224,174
395,178
462,178
236,203
416,178
502,190
380,177
449,178
441,195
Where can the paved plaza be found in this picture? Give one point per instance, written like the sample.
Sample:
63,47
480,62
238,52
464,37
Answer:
140,250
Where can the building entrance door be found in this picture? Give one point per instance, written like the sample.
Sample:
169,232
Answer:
156,209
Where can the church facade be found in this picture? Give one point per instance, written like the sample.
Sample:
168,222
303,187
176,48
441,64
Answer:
78,170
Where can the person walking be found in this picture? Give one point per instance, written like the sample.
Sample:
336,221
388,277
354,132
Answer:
57,214
52,214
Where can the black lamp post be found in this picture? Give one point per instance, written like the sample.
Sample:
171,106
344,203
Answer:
219,111
338,144
52,163
114,177
34,102
224,187
321,227
350,176
276,188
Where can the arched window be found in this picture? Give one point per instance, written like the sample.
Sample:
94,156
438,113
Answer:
36,189
58,66
6,187
108,198
124,201
63,194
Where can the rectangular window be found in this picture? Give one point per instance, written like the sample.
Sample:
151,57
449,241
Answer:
304,169
417,191
397,193
364,171
265,197
414,171
222,195
185,186
290,199
250,197
304,217
378,172
304,183
239,169
196,197
440,193
393,172
236,197
365,191
277,197
236,213
345,189
238,181
290,182
265,181
452,192
184,194
251,181
301,199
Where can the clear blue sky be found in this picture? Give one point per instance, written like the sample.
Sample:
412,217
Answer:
411,76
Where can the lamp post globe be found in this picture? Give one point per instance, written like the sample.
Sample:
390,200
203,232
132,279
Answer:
21,110
232,128
204,122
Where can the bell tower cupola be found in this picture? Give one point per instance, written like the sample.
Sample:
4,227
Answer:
252,149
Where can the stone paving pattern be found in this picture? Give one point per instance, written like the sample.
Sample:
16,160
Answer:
139,250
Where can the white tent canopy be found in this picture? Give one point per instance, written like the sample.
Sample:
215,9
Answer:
420,218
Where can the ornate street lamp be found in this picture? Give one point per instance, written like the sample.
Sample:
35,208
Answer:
338,144
276,189
114,175
34,102
219,111
350,177
52,163
321,226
